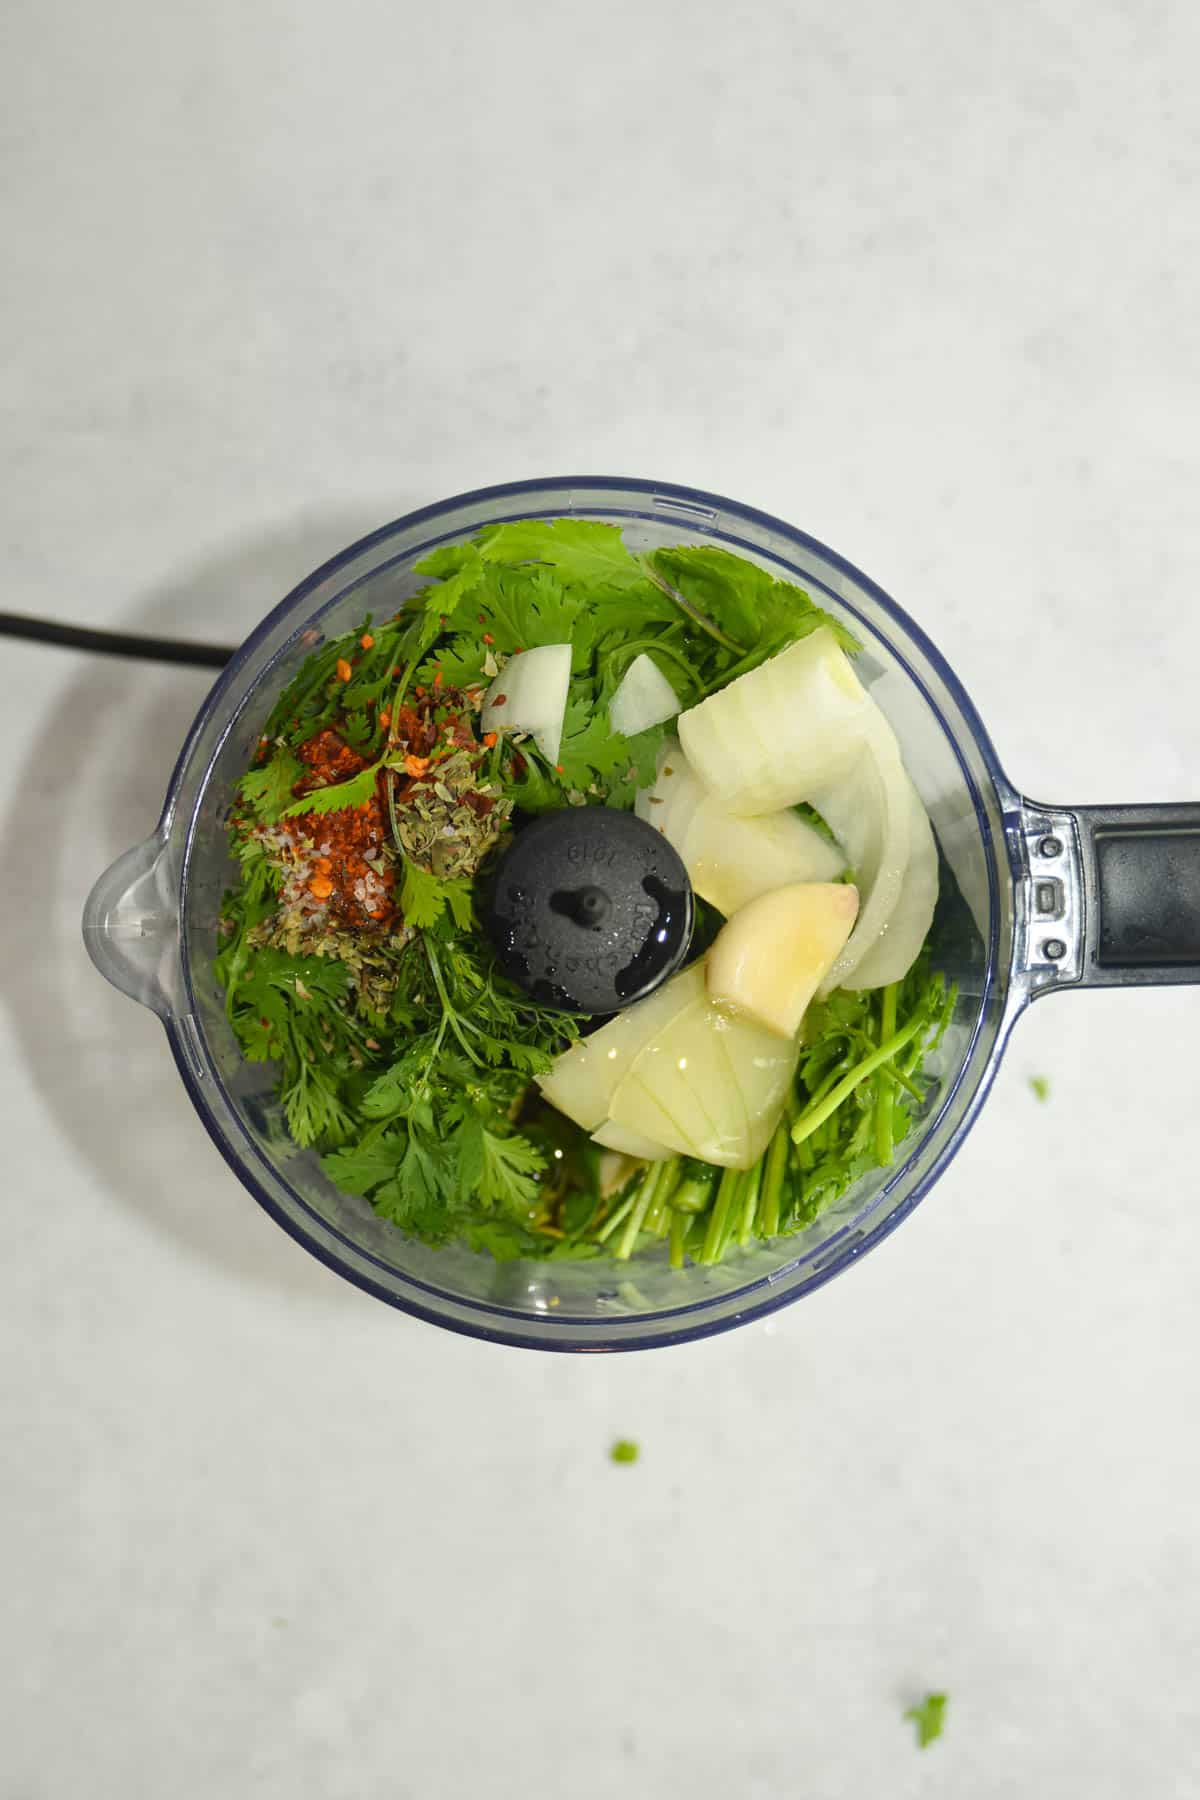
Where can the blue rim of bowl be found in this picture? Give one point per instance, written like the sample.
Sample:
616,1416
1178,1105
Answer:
760,1297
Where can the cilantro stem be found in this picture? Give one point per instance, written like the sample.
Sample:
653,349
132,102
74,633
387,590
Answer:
816,1115
610,1224
659,1178
898,1078
660,647
772,1188
392,819
656,1218
679,1225
714,1238
748,1200
831,1080
885,1132
692,1195
449,1015
693,612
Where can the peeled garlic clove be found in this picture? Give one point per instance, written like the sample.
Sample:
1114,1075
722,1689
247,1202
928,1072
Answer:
768,961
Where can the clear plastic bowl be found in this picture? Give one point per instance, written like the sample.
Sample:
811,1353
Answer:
151,927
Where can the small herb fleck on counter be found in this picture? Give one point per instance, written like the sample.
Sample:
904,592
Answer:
929,1717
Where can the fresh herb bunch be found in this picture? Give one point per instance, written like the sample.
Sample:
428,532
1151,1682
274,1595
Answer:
352,957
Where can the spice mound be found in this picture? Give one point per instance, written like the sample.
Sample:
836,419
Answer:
340,859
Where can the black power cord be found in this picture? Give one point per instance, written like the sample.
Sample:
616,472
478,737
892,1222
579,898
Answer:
114,643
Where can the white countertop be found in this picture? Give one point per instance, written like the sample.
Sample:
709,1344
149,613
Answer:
926,282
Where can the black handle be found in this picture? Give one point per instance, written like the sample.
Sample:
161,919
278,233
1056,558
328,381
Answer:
1141,891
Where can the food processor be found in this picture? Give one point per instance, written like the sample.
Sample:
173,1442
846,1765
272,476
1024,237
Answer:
1033,900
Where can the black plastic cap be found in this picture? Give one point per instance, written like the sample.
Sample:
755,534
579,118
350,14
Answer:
589,909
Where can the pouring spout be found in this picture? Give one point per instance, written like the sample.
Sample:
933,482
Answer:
131,926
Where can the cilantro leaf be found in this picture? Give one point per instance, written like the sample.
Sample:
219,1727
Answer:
395,1091
424,898
313,1105
292,1009
261,879
268,790
461,902
725,587
625,1450
460,662
593,758
509,1169
459,568
468,1145
358,729
359,1168
591,751
581,550
1040,1085
535,791
503,1239
529,1058
929,1717
337,796
524,607
515,609
643,751
418,1196
612,617
746,602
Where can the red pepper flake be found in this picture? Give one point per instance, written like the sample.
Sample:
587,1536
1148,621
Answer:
489,739
559,770
342,877
344,671
367,641
437,678
500,700
416,765
419,693
330,758
488,638
483,618
385,717
394,673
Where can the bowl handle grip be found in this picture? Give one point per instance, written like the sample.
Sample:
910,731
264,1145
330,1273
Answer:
1110,895
131,926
